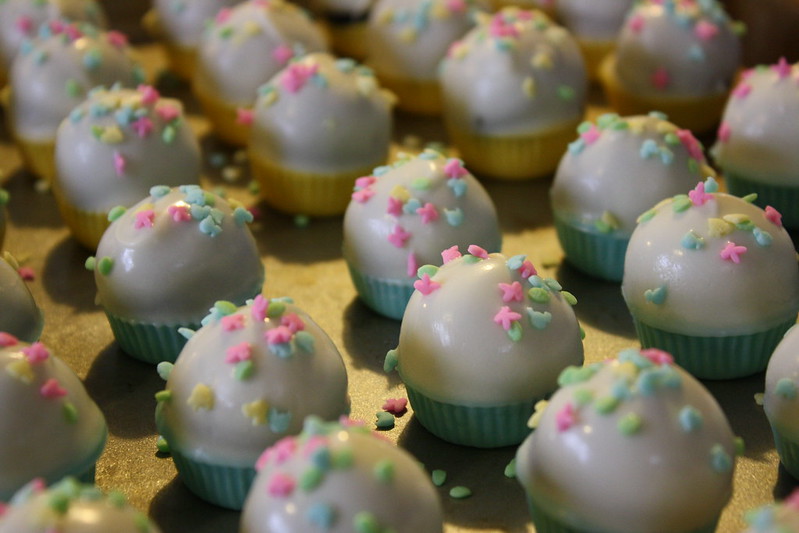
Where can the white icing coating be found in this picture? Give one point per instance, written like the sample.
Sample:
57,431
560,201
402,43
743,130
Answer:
71,507
175,269
295,371
19,314
454,348
408,38
680,48
323,115
383,210
184,21
21,19
363,480
593,20
273,31
119,143
620,167
54,74
516,73
777,517
661,460
51,427
781,399
759,127
675,287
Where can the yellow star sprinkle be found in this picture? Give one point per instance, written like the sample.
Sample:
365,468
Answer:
400,193
202,397
717,227
256,411
112,135
21,370
542,60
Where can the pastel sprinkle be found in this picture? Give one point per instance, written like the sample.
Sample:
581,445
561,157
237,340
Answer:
698,196
256,411
321,515
119,163
565,418
630,424
425,285
656,296
391,360
384,420
692,241
539,319
454,216
36,353
510,469
144,219
201,397
511,292
690,419
454,169
773,216
238,352
384,471
396,406
398,236
786,389
439,477
52,389
569,297
477,251
505,317
280,485
366,522
7,339
460,492
428,212
450,254
539,295
732,252
720,460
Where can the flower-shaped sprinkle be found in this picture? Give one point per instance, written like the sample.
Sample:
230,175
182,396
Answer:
425,285
505,317
238,353
732,252
698,195
450,254
512,292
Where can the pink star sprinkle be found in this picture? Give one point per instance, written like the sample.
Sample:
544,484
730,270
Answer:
396,406
232,322
36,353
293,322
365,181
142,126
724,131
278,335
363,195
179,213
450,254
591,135
149,94
52,389
412,266
733,252
661,78
659,357
742,90
428,213
690,143
244,116
259,308
500,28
56,26
505,317
144,219
7,339
773,216
73,33
281,451
511,292
223,15
782,68
705,30
425,285
280,485
26,273
698,195
636,23
477,251
167,112
527,269
399,236
282,54
456,6
24,24
117,39
453,169
119,164
394,206
566,417
238,353
297,75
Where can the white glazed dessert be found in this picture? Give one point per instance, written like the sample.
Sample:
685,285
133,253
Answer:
617,168
346,23
52,427
754,145
713,279
514,90
407,41
180,25
403,215
113,148
340,477
781,399
246,379
637,435
678,57
227,79
71,507
777,517
319,124
163,263
19,314
53,74
483,339
21,19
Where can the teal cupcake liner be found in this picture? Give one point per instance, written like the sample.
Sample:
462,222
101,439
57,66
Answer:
151,343
729,357
225,486
783,198
480,427
389,297
596,254
544,523
788,452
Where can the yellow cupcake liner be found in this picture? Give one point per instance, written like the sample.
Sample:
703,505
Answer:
420,97
222,116
513,157
304,193
86,227
698,113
